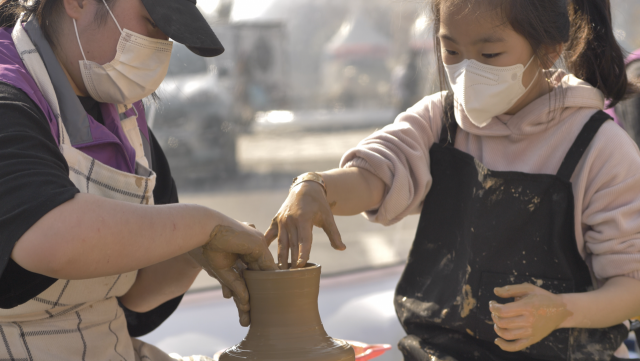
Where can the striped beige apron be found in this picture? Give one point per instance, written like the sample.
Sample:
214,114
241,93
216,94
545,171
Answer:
81,319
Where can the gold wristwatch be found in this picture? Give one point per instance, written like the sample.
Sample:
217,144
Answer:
309,177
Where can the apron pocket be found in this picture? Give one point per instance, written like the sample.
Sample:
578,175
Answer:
553,347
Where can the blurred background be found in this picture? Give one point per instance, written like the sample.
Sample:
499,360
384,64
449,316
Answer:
300,83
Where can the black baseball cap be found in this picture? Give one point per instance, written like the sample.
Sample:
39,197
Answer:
182,21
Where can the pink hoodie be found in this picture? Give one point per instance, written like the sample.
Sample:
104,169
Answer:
606,183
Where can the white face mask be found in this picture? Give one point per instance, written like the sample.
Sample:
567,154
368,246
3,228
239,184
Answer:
485,91
140,65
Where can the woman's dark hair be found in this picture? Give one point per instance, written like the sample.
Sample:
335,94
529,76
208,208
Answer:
46,11
584,27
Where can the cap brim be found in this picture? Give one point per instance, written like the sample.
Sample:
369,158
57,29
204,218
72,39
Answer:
182,21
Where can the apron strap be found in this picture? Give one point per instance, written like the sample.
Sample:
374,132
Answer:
449,124
146,147
73,114
581,143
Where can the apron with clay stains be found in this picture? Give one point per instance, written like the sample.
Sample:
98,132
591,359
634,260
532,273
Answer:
81,319
480,229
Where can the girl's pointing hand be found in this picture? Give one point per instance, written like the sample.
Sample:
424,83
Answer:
305,207
534,315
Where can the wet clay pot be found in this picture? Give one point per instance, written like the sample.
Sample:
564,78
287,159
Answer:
285,322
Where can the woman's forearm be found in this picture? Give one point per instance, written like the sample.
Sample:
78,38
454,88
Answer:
618,300
351,191
91,236
160,283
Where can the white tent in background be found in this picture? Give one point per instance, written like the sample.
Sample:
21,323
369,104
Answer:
358,38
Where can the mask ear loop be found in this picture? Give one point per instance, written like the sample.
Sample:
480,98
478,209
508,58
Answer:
529,63
78,37
113,17
535,77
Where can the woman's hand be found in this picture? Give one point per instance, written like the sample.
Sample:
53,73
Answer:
305,207
534,315
229,251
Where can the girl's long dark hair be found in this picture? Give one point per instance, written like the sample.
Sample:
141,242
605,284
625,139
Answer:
593,53
584,27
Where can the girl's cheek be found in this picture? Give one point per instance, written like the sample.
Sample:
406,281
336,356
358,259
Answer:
449,59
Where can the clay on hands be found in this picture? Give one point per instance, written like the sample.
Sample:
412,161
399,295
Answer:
305,207
533,316
227,253
227,293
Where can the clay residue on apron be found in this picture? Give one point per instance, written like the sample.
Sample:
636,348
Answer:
539,282
527,197
591,351
534,203
466,301
486,180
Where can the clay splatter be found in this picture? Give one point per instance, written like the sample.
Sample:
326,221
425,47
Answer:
487,180
467,302
534,204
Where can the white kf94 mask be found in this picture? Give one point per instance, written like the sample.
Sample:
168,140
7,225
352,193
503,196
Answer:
485,91
140,65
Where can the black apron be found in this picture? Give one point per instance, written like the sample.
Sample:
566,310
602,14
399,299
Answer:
480,229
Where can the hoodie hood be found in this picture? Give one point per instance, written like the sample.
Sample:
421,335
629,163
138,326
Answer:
569,94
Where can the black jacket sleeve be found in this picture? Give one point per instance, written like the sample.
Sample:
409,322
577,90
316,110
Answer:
34,179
